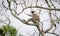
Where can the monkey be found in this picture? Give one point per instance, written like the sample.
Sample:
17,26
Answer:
54,22
35,18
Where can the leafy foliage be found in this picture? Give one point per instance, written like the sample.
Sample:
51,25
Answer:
8,29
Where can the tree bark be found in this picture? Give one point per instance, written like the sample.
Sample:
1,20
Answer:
40,31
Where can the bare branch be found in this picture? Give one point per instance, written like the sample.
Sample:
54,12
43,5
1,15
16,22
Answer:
40,31
53,33
40,7
4,5
36,2
49,16
47,3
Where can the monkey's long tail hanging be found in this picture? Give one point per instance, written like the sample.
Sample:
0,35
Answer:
40,32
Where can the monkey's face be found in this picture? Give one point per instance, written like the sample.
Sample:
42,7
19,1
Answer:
32,12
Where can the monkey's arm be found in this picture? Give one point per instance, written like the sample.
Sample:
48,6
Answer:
29,15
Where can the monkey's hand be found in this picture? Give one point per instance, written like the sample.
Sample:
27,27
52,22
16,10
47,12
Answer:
29,15
24,21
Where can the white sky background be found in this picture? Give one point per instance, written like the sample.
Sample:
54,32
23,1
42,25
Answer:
27,30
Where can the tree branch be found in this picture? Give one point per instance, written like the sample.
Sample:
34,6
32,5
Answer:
39,7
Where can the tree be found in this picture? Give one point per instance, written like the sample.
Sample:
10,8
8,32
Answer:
8,30
50,7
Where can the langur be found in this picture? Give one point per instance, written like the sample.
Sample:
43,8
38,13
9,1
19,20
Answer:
35,18
54,22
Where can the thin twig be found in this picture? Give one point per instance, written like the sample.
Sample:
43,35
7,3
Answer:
53,33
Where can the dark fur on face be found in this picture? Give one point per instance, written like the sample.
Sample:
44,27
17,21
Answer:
32,11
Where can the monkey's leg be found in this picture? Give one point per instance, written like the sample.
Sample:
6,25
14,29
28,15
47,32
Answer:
31,19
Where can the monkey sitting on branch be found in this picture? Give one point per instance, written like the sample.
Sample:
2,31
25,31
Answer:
35,18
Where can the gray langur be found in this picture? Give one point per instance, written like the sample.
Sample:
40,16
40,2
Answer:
35,18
